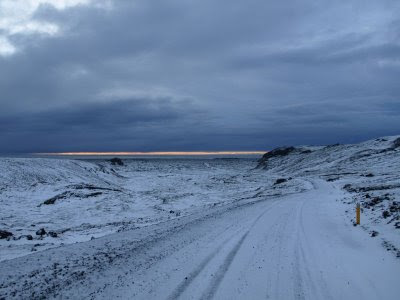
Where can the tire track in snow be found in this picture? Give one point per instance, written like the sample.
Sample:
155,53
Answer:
318,288
181,288
280,250
300,262
220,274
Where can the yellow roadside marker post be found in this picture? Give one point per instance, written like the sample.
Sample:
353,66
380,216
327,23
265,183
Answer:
358,210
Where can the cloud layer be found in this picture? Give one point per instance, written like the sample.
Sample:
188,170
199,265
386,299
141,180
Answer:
199,75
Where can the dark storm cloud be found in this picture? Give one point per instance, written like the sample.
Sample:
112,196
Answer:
103,115
198,75
87,125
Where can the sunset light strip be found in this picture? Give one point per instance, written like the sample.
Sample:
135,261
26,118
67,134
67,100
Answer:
172,153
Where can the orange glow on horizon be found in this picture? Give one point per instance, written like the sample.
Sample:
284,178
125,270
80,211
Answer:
172,153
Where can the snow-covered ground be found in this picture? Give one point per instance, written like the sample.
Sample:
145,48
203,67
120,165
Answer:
201,228
93,198
369,172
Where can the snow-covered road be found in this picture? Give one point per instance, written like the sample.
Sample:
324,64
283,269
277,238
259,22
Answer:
292,247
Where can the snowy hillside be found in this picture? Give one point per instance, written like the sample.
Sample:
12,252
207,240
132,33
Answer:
369,171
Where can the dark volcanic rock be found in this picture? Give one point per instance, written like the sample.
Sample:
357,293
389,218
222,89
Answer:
41,232
280,180
332,179
394,207
29,237
5,234
53,200
307,151
53,234
332,146
374,233
93,194
92,187
69,194
283,151
50,201
353,189
348,187
116,161
277,152
396,143
375,201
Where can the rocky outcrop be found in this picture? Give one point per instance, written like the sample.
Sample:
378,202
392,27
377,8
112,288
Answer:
277,152
396,143
41,232
116,161
5,234
280,180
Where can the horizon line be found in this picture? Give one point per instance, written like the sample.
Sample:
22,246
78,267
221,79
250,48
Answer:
143,153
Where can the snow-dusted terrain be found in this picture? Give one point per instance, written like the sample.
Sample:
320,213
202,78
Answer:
369,171
93,198
279,228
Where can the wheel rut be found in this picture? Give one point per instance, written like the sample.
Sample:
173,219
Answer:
219,275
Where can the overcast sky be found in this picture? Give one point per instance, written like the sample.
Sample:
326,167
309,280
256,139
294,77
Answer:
163,75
